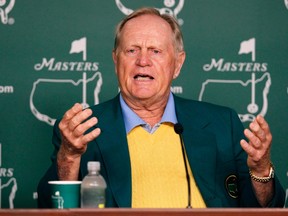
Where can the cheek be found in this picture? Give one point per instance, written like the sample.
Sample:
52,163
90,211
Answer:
123,73
125,63
166,69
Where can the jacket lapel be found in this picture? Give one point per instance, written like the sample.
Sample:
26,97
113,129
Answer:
112,144
201,149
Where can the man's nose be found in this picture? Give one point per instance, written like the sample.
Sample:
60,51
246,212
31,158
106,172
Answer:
143,59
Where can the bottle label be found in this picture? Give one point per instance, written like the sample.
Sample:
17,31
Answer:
101,205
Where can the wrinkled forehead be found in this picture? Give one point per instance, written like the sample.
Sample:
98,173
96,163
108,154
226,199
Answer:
147,26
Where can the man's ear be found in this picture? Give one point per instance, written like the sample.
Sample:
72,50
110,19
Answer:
114,57
179,63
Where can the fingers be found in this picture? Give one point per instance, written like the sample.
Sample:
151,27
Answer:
259,135
91,136
255,126
258,145
72,112
253,139
266,133
73,127
247,148
79,128
74,116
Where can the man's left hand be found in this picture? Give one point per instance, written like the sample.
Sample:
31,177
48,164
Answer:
258,148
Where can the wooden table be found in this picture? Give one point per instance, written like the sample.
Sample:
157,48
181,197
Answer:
147,212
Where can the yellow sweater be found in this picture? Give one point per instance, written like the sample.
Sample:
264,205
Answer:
158,170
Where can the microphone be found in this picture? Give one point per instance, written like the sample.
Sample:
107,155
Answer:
178,128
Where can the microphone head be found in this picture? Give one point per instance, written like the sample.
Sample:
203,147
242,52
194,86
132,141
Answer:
178,128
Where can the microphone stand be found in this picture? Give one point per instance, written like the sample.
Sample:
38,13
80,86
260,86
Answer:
178,128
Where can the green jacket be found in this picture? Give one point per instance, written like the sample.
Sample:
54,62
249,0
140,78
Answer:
211,137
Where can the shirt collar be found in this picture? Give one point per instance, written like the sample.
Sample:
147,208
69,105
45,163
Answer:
131,119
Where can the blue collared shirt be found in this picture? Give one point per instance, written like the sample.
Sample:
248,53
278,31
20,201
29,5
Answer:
131,119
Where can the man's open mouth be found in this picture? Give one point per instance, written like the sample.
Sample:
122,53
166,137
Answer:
143,77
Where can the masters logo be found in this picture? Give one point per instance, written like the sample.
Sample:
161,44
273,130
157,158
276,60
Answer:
68,88
256,87
8,185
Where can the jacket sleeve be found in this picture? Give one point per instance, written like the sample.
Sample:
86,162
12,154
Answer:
43,189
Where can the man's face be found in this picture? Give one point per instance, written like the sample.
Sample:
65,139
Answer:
146,61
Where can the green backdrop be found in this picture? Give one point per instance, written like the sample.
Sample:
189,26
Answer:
55,53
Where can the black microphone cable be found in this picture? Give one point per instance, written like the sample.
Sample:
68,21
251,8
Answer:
178,128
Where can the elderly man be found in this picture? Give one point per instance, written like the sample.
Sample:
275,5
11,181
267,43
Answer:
133,134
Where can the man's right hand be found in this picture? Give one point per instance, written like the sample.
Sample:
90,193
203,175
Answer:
73,126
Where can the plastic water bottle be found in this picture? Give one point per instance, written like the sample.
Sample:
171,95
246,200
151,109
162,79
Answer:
93,187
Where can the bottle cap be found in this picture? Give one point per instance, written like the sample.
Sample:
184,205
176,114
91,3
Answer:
93,165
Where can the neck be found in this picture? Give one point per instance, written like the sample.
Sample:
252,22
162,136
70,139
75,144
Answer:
150,111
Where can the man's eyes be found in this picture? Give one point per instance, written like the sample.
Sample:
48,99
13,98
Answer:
135,51
155,51
131,51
